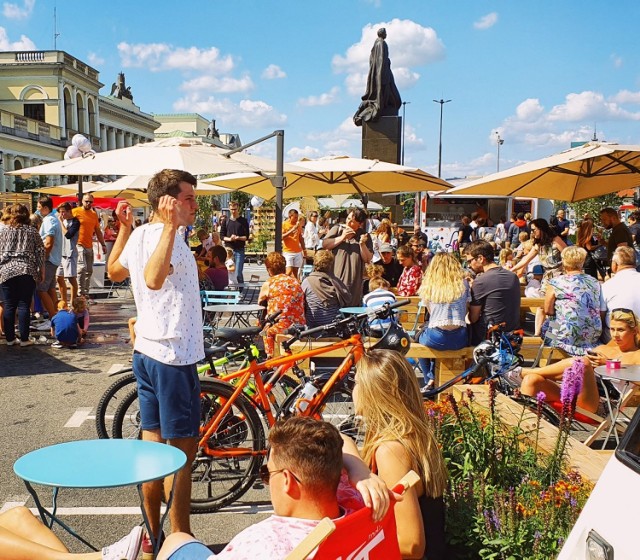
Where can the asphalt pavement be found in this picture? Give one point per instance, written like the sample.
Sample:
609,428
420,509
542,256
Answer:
49,396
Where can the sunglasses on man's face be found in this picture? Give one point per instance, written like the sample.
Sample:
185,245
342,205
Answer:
265,474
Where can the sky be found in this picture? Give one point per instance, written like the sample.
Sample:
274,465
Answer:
540,74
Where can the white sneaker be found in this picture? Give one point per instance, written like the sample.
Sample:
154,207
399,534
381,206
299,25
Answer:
44,326
126,548
13,342
28,342
514,377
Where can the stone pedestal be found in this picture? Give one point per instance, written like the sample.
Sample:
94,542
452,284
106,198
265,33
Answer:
382,139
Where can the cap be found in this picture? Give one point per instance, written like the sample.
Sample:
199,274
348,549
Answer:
386,248
538,269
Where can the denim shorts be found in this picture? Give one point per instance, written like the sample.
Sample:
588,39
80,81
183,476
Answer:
191,551
169,397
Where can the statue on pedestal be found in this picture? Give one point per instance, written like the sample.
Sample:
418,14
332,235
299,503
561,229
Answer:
381,97
119,90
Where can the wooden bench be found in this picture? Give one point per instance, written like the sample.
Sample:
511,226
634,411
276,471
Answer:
529,305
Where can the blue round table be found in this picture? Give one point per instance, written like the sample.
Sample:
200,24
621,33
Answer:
100,463
355,310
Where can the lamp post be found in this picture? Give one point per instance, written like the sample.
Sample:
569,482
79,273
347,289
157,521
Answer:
499,142
442,102
404,103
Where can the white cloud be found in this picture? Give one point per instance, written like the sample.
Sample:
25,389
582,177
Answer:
529,110
24,44
296,153
589,105
246,113
273,72
485,22
161,56
626,96
410,45
320,100
222,84
12,10
95,60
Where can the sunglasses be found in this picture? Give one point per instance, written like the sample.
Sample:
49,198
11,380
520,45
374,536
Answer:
626,312
87,201
265,474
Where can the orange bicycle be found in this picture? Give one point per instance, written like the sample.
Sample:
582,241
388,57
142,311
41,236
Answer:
233,442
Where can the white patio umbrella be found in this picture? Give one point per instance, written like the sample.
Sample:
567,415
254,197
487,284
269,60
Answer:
337,175
591,170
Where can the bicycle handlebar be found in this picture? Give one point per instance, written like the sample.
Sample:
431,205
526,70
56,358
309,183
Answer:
271,319
381,312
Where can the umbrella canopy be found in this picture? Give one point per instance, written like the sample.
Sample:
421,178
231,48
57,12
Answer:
587,171
336,175
193,155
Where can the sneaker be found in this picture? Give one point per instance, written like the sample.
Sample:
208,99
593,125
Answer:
514,377
126,548
13,342
147,546
44,326
57,344
28,342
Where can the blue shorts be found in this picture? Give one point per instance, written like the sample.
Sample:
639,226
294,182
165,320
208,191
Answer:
191,551
169,397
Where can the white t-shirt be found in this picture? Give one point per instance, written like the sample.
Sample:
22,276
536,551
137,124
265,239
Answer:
233,277
311,238
621,292
169,325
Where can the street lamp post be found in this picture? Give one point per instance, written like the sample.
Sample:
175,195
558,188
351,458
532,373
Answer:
499,142
442,102
404,104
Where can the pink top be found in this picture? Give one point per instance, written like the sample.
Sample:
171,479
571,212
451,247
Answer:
410,281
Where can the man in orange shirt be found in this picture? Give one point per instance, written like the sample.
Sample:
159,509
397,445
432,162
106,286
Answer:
293,243
89,224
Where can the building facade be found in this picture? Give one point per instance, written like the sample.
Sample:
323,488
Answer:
48,96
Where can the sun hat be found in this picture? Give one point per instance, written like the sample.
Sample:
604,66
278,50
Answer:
538,269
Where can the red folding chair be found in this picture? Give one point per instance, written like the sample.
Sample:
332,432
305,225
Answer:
356,536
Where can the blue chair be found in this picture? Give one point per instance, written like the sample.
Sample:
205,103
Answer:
222,297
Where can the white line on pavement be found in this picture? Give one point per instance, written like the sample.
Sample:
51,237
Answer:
18,501
78,417
115,368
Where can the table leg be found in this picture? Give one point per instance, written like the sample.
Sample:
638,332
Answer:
49,517
156,542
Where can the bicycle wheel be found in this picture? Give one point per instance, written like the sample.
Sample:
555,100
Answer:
221,479
109,402
126,420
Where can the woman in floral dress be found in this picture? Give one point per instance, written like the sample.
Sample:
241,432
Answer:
575,298
280,293
411,276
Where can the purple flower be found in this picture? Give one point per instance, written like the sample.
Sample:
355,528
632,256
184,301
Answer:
541,396
572,382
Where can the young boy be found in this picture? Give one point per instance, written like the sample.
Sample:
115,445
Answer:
378,295
65,328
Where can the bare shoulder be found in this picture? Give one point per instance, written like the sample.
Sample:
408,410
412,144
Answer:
393,454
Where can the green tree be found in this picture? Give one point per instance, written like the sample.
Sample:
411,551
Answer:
592,206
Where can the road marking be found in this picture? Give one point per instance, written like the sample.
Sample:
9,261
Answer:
79,417
14,501
242,509
115,368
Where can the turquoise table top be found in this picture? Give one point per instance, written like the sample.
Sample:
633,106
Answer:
354,310
99,463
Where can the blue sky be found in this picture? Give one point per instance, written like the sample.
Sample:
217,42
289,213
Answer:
541,73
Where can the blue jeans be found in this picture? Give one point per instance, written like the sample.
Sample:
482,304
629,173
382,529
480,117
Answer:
17,293
440,339
238,259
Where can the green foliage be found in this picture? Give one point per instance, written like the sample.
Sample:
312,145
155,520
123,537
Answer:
592,206
505,499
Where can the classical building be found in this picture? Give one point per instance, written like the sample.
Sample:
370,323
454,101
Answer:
194,125
48,96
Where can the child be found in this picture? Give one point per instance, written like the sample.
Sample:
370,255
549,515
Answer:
534,290
506,259
65,328
217,271
231,268
378,295
79,306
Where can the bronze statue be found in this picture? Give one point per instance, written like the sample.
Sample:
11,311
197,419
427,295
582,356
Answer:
381,97
119,90
212,130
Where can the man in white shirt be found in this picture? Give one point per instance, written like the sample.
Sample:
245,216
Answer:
623,290
168,343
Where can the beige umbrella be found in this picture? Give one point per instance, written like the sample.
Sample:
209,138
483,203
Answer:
590,170
337,175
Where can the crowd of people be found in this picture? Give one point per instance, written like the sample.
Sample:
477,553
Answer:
359,261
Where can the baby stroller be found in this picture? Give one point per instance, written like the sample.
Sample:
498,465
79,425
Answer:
601,260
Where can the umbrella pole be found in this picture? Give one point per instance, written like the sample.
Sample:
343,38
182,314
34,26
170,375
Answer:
278,182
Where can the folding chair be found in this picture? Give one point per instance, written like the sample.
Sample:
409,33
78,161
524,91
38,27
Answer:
223,297
117,286
356,535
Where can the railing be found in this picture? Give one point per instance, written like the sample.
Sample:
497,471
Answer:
30,56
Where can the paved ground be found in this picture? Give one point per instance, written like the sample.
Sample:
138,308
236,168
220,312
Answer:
49,396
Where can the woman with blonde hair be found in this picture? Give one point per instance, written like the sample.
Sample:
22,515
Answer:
398,438
624,346
445,293
380,236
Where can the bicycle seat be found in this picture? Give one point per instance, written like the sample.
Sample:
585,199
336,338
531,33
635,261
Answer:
236,335
215,352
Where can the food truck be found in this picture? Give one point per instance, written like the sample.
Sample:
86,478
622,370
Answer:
439,214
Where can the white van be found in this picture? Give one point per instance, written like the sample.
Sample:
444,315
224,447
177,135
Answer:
606,528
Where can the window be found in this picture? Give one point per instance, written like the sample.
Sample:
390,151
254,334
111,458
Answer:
34,111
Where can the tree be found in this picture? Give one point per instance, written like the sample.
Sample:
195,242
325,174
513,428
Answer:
592,206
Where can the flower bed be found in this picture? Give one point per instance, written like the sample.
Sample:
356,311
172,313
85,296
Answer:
507,498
